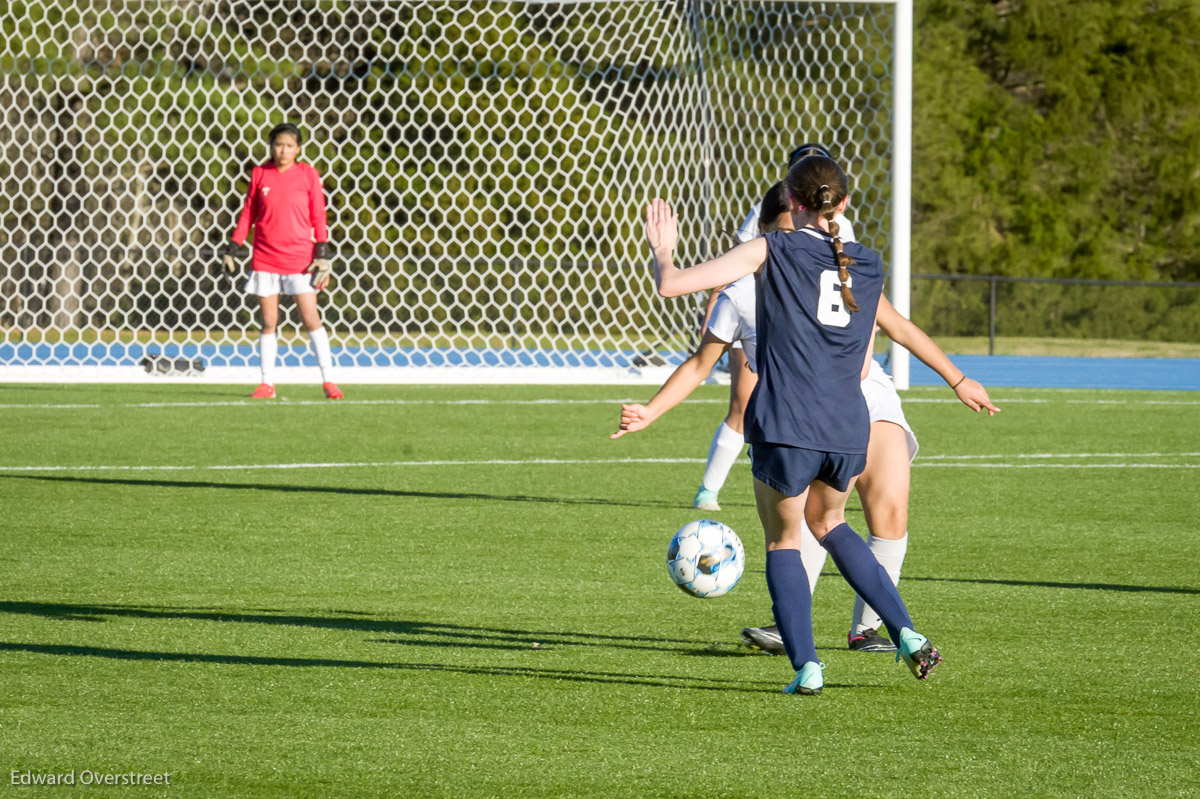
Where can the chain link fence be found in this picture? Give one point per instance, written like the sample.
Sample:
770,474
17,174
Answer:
999,306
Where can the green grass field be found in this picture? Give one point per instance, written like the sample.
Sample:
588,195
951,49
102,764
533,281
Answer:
439,614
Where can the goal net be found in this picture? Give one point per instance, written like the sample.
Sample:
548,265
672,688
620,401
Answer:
484,163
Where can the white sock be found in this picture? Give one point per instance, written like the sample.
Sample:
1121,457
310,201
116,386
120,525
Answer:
268,346
320,344
726,446
890,555
812,555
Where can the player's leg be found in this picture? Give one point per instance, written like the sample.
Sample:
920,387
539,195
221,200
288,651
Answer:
883,488
318,337
728,441
742,380
782,518
268,345
825,513
812,556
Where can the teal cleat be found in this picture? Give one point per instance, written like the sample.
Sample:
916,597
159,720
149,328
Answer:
918,653
809,681
705,500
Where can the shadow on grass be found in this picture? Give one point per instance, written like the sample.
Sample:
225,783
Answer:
451,635
569,675
370,492
416,633
1152,589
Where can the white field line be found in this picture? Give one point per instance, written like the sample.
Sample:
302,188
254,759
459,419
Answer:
339,403
55,407
1057,456
965,464
1000,401
353,465
1133,402
977,465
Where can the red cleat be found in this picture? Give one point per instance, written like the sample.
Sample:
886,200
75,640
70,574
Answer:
264,391
332,391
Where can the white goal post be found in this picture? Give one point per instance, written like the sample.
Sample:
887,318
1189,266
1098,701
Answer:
484,165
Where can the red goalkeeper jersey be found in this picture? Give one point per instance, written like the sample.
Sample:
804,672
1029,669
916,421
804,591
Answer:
287,211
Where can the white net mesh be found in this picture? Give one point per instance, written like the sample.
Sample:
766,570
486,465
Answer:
484,164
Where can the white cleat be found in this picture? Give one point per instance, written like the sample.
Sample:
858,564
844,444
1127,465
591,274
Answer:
705,500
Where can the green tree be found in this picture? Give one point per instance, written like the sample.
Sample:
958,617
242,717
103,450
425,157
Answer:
1058,138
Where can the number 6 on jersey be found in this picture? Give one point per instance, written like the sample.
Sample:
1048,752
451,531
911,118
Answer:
831,310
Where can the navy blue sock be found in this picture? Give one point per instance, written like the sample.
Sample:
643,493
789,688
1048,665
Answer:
868,579
792,604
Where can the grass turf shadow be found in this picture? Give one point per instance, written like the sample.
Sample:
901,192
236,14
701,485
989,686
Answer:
456,636
416,633
1152,589
558,675
370,492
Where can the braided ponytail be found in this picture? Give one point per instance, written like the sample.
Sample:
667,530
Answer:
820,185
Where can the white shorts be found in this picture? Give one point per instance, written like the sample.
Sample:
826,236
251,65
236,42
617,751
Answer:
266,284
883,404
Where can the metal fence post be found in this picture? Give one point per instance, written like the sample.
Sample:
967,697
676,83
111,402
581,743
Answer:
993,280
992,318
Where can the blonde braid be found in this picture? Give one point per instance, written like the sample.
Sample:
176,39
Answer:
825,197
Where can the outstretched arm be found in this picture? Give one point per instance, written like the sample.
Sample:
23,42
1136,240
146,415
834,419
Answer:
913,338
679,385
662,231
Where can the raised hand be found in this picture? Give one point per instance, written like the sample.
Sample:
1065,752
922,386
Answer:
662,228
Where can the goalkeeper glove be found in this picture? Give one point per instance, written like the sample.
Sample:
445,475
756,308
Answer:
321,267
230,255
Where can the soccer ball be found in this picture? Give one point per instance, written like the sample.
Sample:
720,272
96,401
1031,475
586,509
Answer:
706,558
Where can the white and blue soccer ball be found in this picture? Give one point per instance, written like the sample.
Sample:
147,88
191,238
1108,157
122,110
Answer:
706,558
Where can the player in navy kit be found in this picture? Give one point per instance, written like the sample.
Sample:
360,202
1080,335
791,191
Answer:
884,483
807,421
728,441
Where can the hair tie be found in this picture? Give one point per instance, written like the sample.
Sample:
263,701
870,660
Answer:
823,187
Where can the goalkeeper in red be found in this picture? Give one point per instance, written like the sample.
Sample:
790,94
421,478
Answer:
285,206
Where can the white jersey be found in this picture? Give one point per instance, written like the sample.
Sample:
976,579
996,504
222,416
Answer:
749,229
734,319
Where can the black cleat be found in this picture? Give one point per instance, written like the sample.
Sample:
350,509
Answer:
766,639
869,641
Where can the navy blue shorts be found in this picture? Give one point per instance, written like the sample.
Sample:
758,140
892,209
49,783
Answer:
789,470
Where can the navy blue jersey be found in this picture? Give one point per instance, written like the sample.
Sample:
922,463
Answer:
811,348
